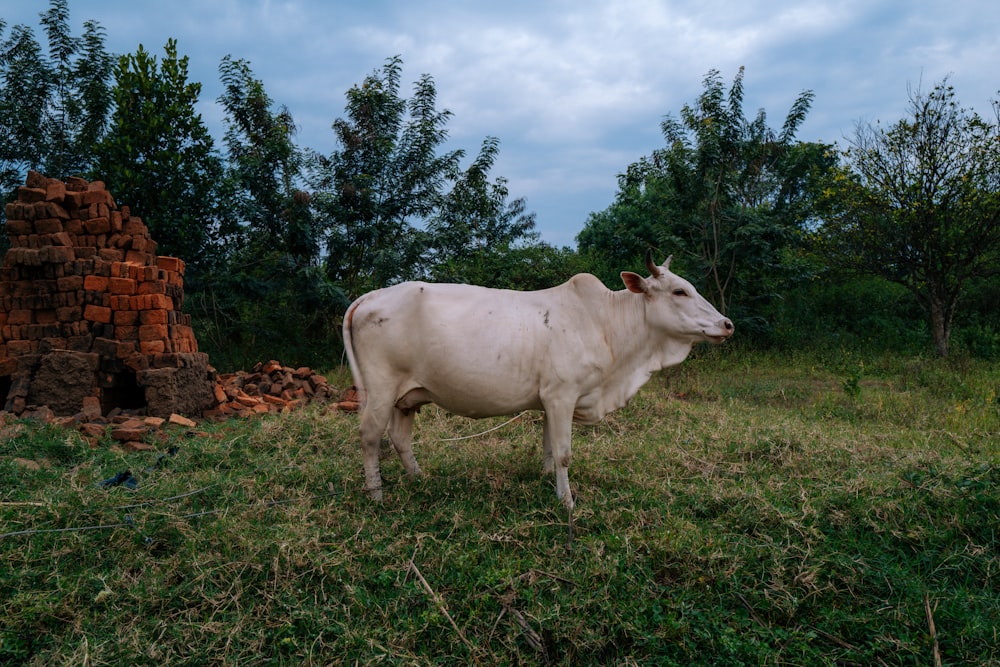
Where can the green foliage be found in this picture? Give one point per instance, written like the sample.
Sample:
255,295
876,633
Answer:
267,308
728,196
264,167
740,510
52,109
919,204
158,156
394,206
529,266
387,176
855,313
266,295
475,219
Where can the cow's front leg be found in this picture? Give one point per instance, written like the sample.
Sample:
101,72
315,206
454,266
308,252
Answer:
558,434
548,463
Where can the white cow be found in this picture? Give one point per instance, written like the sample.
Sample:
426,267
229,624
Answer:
576,351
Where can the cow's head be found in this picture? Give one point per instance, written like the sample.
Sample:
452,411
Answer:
675,306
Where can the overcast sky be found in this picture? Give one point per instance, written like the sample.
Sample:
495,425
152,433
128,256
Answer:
574,89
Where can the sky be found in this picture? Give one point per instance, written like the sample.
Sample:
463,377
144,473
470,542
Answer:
575,90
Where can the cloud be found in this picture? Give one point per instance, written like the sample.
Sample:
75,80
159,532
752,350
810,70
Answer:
574,89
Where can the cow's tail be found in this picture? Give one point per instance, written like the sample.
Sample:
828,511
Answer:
352,360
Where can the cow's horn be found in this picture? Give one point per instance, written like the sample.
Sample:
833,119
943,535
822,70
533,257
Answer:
654,270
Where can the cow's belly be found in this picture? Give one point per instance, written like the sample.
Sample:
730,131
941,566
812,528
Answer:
475,397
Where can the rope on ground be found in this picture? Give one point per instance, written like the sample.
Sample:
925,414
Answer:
489,430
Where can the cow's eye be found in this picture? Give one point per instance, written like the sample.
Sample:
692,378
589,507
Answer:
680,292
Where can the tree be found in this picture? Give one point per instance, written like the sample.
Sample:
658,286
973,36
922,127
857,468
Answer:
475,226
384,181
79,71
268,293
158,156
919,204
265,167
23,95
727,196
52,109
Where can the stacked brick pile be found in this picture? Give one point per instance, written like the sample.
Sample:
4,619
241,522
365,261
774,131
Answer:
87,308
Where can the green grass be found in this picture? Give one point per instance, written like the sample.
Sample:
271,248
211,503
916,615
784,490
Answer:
743,509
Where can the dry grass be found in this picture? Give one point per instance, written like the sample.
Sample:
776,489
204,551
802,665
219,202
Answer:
743,509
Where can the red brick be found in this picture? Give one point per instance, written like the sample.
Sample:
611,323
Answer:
96,283
133,225
30,195
152,316
170,264
121,302
57,254
97,225
152,302
69,283
69,313
124,286
126,317
153,332
152,287
45,316
61,239
74,200
19,227
98,314
19,347
48,226
16,317
35,179
152,346
126,333
93,196
55,190
136,257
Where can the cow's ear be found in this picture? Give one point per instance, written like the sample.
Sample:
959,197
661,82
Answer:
634,282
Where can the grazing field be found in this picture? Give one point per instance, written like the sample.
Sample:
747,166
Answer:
744,509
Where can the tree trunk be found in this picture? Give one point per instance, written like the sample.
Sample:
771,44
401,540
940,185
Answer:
941,315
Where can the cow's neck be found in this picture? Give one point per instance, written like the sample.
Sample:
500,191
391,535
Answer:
632,352
638,352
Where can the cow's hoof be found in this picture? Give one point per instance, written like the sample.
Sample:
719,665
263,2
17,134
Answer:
375,494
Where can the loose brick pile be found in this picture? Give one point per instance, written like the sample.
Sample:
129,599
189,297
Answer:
268,388
87,308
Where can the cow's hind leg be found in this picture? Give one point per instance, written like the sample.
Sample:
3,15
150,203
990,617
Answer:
374,419
401,434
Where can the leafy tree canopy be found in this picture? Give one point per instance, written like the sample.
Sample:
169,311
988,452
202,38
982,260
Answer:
726,196
54,107
159,157
918,203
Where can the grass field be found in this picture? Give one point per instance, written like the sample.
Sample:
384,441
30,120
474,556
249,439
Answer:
744,509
